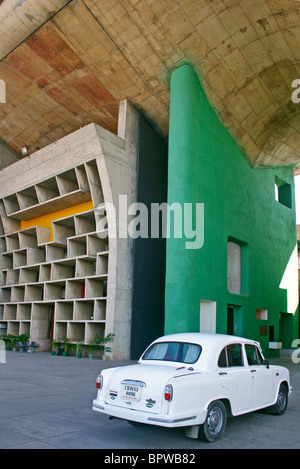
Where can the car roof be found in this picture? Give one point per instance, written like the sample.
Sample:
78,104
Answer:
203,338
211,344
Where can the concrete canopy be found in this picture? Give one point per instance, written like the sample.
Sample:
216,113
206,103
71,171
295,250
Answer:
69,63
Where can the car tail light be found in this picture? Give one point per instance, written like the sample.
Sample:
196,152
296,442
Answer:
168,392
99,382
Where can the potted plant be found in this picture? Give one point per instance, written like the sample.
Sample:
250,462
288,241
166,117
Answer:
66,346
106,349
99,343
93,346
79,350
23,338
14,341
8,341
54,345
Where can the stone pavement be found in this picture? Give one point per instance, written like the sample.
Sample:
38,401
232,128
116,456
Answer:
46,403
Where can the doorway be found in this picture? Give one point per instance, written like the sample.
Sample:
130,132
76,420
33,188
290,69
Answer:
234,320
50,334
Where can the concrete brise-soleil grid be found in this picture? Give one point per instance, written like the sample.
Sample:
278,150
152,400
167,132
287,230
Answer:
68,275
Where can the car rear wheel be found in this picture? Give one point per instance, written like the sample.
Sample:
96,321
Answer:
281,404
215,422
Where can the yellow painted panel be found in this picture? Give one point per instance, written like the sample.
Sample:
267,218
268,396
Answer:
46,220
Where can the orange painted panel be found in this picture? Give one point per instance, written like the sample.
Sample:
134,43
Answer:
46,220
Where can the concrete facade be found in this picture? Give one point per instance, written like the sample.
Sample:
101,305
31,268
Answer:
69,266
105,166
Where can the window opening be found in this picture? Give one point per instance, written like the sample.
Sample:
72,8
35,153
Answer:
283,192
262,314
237,267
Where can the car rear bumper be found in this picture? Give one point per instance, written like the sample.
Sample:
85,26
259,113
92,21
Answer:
149,418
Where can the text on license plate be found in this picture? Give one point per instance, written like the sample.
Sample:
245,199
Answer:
131,391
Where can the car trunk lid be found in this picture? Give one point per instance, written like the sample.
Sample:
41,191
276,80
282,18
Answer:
140,387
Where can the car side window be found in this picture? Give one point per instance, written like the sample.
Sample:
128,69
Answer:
234,354
253,355
222,362
231,356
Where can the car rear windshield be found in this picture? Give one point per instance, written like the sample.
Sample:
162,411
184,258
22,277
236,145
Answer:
173,352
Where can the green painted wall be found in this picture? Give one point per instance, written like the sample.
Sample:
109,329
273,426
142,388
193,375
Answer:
206,166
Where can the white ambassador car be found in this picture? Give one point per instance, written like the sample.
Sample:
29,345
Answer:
193,380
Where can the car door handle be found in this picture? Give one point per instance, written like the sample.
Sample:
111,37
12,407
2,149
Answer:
253,371
223,373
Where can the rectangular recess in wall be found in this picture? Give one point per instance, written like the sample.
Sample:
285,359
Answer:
29,275
60,330
263,330
35,256
23,312
67,181
54,291
11,204
27,198
85,223
100,310
283,192
84,310
208,316
12,242
237,266
54,252
76,332
45,273
17,294
64,311
47,190
12,277
10,312
63,270
19,259
75,289
262,314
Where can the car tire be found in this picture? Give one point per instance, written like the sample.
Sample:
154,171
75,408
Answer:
281,403
215,422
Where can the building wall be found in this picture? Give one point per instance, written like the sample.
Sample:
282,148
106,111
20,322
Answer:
240,212
149,252
59,276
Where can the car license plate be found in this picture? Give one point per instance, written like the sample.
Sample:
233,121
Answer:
132,392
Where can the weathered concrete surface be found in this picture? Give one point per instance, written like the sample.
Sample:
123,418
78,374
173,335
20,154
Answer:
46,403
20,19
73,67
7,155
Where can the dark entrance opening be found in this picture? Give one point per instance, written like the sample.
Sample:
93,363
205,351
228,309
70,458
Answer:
230,317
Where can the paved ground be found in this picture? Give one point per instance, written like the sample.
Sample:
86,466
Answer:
46,402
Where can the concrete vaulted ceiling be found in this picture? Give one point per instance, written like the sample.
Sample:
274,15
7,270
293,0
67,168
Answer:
69,63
